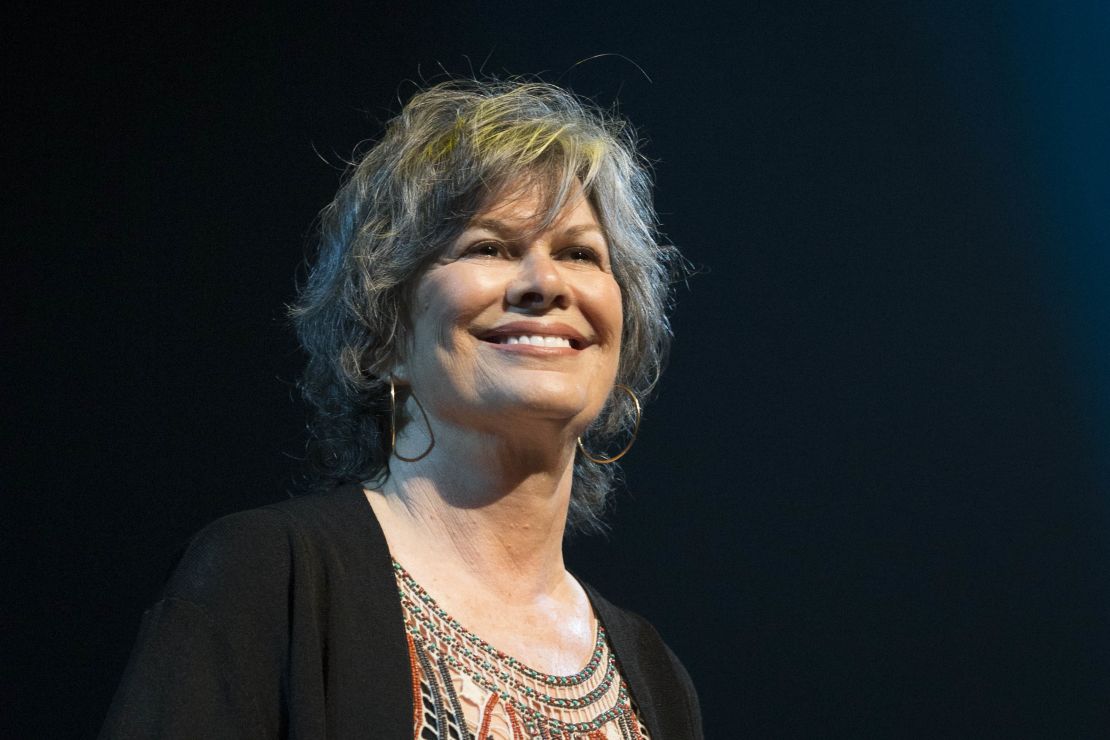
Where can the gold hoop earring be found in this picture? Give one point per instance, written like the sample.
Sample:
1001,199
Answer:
627,447
393,426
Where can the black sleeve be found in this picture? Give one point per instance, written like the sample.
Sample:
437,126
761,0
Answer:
693,706
180,682
209,656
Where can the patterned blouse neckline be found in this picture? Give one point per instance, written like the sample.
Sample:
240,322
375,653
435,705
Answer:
458,674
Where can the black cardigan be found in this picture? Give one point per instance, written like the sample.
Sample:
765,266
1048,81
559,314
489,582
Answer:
284,621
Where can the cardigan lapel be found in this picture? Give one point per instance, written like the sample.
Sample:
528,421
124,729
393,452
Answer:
380,654
629,647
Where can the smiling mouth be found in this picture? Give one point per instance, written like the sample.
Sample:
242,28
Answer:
535,340
541,335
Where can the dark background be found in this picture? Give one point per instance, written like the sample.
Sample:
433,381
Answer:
873,496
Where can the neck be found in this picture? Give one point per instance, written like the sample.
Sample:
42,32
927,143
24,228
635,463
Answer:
486,508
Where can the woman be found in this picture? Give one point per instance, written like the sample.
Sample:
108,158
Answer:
485,310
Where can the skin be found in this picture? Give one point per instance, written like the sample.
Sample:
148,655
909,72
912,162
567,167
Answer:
479,521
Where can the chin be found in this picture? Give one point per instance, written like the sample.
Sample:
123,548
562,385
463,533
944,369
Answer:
549,400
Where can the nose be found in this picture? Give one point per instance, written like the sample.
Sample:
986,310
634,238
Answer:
538,284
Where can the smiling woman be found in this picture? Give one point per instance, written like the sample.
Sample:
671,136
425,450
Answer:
486,305
453,152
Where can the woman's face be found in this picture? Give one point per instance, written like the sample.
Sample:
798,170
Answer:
511,324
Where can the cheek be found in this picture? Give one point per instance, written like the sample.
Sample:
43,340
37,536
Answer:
618,308
449,299
606,307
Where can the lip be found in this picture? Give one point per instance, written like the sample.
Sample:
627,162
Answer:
535,328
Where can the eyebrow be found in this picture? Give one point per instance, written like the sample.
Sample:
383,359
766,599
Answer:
582,229
490,224
505,231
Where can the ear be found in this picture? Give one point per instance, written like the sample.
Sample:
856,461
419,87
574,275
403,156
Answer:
397,365
398,370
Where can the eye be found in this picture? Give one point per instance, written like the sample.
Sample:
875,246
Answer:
582,254
483,249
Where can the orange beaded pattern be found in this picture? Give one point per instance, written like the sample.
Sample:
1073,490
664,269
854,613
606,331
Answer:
414,670
465,688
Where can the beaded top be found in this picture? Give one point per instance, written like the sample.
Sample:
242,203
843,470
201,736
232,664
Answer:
457,674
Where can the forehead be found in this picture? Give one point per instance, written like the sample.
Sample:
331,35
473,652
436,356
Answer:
533,208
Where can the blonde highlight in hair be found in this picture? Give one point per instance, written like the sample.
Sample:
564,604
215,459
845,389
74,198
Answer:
453,150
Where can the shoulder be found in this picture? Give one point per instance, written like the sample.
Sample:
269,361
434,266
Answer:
660,683
254,614
250,557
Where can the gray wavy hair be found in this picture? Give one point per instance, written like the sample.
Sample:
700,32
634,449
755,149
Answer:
452,151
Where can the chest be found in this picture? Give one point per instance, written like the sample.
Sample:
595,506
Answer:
463,686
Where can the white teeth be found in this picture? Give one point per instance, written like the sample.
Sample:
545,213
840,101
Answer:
537,341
